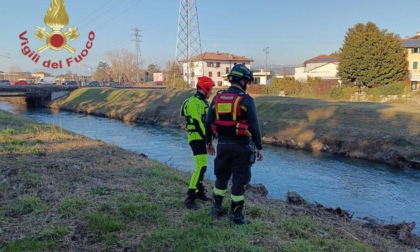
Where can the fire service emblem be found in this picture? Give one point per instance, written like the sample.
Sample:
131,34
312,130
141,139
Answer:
55,38
56,19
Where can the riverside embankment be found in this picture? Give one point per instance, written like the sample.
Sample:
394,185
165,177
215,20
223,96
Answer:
380,132
64,192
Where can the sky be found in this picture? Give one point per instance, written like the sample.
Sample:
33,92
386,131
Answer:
293,31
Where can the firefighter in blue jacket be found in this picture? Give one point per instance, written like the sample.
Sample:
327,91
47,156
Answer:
232,118
194,109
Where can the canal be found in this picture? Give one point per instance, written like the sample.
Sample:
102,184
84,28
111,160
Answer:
360,187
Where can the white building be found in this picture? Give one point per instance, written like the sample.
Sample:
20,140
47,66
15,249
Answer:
260,77
322,66
215,65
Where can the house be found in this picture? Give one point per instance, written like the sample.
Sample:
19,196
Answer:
322,66
215,65
39,75
262,77
412,45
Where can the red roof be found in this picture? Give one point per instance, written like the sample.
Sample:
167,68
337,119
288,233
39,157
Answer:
218,56
321,59
415,37
412,42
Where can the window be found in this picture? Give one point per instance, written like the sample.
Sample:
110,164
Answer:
219,83
210,74
415,65
217,64
227,70
257,80
415,50
210,64
218,74
414,86
192,64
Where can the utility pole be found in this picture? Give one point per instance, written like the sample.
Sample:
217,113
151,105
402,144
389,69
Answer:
266,52
139,62
188,42
5,56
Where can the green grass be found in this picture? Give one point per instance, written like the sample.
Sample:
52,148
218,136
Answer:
310,124
141,211
85,195
46,240
104,222
72,207
28,205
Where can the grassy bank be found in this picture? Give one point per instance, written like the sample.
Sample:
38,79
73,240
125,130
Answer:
387,133
63,192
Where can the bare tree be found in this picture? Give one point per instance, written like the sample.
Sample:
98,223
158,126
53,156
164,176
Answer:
15,73
123,66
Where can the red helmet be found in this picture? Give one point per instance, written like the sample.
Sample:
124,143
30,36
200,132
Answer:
205,84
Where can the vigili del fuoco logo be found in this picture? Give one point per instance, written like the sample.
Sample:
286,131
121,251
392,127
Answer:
55,38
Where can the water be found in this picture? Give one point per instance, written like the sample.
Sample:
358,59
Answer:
360,187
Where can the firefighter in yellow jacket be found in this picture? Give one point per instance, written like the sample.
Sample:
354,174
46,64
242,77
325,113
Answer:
194,109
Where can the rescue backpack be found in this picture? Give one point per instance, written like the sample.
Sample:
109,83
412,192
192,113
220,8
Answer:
230,120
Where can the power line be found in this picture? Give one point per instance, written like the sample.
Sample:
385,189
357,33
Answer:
80,22
118,14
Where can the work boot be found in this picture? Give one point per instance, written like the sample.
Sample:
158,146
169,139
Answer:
216,209
235,214
201,194
190,202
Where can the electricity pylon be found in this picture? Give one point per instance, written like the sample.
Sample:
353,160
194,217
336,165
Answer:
188,42
139,61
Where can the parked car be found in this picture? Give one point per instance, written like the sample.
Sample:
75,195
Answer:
46,81
20,82
70,83
115,84
93,84
4,82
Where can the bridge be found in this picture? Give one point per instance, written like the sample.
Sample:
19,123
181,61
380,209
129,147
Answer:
36,95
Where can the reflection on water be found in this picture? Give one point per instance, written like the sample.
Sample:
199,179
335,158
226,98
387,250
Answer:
365,188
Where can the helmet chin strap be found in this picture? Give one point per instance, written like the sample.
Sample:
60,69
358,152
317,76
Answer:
240,86
243,84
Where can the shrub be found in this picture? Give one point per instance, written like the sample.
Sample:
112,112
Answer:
317,88
343,92
395,88
288,85
257,89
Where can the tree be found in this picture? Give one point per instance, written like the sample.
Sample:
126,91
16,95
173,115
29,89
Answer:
173,75
335,55
123,66
372,56
102,72
15,73
153,68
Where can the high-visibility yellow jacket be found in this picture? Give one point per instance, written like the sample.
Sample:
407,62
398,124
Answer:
194,109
